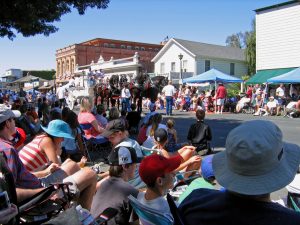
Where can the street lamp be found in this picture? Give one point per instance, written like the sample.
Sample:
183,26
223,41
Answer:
180,56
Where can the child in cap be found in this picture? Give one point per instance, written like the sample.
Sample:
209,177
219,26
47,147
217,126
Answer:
158,174
114,191
189,160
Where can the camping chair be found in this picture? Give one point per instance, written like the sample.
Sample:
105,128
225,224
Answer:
178,220
40,208
96,145
149,216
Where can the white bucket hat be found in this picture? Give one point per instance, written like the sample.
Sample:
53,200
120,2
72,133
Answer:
256,160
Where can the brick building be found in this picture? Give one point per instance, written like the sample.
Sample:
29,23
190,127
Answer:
87,52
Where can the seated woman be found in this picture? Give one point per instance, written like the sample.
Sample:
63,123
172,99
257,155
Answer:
189,160
258,104
41,158
85,117
156,124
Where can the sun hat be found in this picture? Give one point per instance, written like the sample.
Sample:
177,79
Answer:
256,160
113,126
6,113
155,166
58,128
207,171
122,155
160,135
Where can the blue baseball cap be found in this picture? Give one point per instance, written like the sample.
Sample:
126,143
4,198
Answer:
58,128
206,167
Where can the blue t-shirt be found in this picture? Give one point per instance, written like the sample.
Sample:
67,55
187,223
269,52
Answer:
205,206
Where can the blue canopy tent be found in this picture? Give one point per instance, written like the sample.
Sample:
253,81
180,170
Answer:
291,77
213,75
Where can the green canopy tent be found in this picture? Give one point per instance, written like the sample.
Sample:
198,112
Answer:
263,75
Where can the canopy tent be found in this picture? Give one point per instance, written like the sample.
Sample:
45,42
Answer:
213,75
291,77
263,75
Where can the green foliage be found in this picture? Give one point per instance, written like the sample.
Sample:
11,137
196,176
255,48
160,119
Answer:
246,40
36,17
45,74
233,89
251,50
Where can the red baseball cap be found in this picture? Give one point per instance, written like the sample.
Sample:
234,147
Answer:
155,166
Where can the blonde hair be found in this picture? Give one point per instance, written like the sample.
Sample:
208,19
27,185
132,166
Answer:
114,113
170,123
85,104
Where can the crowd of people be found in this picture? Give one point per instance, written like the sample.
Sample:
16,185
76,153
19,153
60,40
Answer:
45,143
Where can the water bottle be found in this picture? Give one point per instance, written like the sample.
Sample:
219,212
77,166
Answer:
85,216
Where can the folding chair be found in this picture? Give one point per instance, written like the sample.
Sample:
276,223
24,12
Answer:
149,216
96,145
40,208
178,220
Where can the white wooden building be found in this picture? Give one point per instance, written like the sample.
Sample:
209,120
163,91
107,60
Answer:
277,40
197,58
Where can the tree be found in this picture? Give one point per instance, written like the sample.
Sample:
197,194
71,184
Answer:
36,17
247,41
250,50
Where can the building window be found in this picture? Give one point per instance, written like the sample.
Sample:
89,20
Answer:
184,65
173,65
142,48
112,45
123,46
137,48
129,47
231,68
105,45
162,68
207,65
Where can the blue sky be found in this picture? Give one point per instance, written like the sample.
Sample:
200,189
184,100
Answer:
150,21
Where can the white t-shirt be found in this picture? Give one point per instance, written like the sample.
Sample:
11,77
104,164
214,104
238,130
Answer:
280,92
61,93
125,93
272,104
160,204
169,90
291,105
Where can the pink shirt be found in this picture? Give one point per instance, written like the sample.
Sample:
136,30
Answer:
88,118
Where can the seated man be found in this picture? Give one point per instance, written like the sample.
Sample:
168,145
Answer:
242,103
27,184
158,174
114,190
293,109
250,169
271,107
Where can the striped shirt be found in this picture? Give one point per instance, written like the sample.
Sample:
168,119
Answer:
33,158
22,177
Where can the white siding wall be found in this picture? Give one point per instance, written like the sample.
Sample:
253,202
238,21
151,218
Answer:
278,38
171,55
240,69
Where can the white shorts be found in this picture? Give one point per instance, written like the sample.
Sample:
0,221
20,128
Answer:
220,101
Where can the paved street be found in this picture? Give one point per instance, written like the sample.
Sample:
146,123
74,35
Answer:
222,124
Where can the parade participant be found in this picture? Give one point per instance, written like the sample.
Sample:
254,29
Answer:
125,98
61,95
280,94
169,91
250,168
114,190
220,97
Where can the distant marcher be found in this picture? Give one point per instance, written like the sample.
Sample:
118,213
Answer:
220,97
169,91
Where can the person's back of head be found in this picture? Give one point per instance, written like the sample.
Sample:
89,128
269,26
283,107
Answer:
133,107
156,120
123,113
114,113
100,109
72,120
256,164
65,112
170,123
200,114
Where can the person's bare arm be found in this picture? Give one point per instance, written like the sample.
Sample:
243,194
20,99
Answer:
23,194
48,146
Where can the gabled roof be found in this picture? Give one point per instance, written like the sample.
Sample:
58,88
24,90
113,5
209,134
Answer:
214,51
276,6
205,50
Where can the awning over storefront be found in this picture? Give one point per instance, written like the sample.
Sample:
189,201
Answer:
263,75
